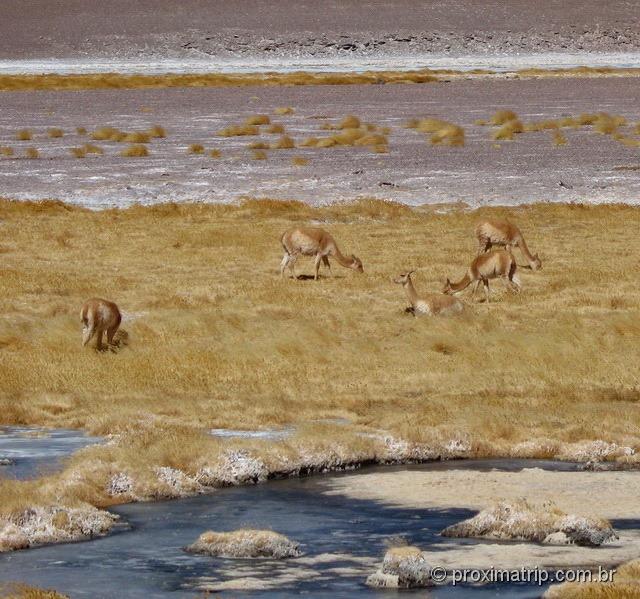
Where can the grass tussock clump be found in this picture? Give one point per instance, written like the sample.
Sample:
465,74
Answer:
107,134
32,153
372,139
503,116
157,132
215,154
284,110
195,149
137,137
135,151
78,152
276,128
299,161
258,145
309,142
92,149
23,591
239,130
284,143
625,585
441,132
508,130
538,524
24,135
6,151
245,543
559,139
55,132
259,155
257,119
81,131
350,122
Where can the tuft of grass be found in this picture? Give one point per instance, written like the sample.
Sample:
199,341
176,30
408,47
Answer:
276,128
24,135
382,149
299,161
32,153
284,110
215,153
559,139
157,131
348,137
481,122
137,137
309,142
107,134
503,116
257,119
92,149
135,151
239,130
55,132
6,151
284,143
326,142
508,130
23,591
259,155
78,152
81,131
350,122
195,149
372,139
258,145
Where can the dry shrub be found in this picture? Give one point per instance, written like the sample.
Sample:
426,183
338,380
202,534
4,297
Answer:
215,154
195,149
348,137
385,130
309,142
81,131
23,591
481,122
276,128
259,155
238,130
78,152
107,134
284,143
299,161
372,139
559,139
135,151
630,142
503,116
326,142
137,137
327,127
448,135
258,145
92,149
568,121
55,132
6,151
157,131
258,119
32,153
380,149
541,125
284,110
508,130
349,122
24,135
605,124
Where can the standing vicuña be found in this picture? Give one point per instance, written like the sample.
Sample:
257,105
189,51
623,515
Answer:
504,233
311,241
432,304
493,265
99,315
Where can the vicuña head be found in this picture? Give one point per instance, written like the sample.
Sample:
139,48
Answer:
447,288
97,316
403,278
312,241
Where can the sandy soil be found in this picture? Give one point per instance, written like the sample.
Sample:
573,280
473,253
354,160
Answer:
531,168
45,28
612,495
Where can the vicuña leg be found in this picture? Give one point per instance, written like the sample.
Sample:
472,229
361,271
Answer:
325,259
111,333
475,288
99,339
317,262
485,282
283,264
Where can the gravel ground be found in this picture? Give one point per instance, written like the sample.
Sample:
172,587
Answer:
590,168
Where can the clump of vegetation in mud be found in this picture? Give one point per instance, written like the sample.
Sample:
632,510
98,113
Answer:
508,130
135,151
245,543
81,131
299,161
440,132
55,132
195,149
537,523
239,130
108,134
275,128
6,151
257,119
284,110
284,143
157,131
215,153
78,152
402,567
180,374
137,137
92,149
259,155
32,153
625,585
23,591
24,135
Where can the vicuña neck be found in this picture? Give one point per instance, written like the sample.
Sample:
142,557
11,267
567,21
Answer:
462,284
411,291
525,251
342,260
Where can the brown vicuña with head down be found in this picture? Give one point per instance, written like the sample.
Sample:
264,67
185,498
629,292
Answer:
492,265
504,233
432,304
99,315
311,241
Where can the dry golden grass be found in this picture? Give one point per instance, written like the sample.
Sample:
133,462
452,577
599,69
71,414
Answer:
299,161
309,142
81,131
258,119
55,132
259,155
92,149
23,591
157,131
440,132
217,339
382,149
284,110
258,145
215,154
508,130
503,116
559,139
24,135
239,130
195,149
276,128
6,151
32,153
137,137
625,585
107,134
135,151
350,122
78,152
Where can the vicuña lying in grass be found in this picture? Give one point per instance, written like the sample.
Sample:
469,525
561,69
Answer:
311,241
493,265
504,233
432,304
99,315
